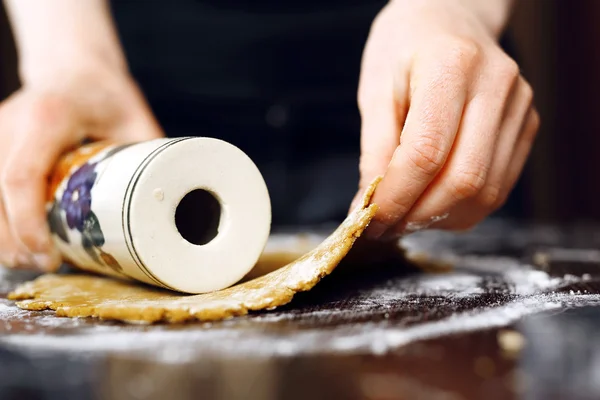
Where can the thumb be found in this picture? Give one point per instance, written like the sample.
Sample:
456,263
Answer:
381,116
44,127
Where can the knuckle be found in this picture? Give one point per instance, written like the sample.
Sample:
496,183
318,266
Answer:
490,197
361,97
28,236
462,51
15,177
531,129
502,199
393,207
393,210
535,122
371,98
368,99
372,157
508,70
7,260
6,242
527,93
428,153
8,250
46,109
372,165
451,73
467,183
458,58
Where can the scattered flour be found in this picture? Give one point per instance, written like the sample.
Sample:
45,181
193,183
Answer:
254,335
181,345
523,290
488,237
382,340
568,254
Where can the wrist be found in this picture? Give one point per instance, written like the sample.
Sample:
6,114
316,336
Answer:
43,64
494,14
491,14
63,35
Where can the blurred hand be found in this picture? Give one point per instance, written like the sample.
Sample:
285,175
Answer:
446,117
49,115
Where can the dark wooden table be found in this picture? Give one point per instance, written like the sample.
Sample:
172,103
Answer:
516,318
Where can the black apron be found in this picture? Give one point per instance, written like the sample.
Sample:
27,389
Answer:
278,79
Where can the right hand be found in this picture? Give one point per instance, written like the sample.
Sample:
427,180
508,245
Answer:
48,116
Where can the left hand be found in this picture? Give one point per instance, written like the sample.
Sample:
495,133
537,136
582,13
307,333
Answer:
447,119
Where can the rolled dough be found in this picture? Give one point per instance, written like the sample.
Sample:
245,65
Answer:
106,298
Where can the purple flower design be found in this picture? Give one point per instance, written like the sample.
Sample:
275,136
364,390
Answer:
76,200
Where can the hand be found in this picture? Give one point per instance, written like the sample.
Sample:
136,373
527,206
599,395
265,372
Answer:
446,118
49,115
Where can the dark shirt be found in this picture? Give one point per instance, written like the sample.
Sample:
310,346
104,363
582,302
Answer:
276,78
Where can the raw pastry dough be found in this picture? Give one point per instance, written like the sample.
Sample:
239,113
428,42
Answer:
106,298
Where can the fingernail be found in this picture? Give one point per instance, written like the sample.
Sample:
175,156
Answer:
376,229
390,236
44,243
355,201
45,262
9,260
24,260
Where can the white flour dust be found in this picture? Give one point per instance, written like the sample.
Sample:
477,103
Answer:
531,292
180,345
9,314
522,290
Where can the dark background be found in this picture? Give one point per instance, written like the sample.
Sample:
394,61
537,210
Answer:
556,43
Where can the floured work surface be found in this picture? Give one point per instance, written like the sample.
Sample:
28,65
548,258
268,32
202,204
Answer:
94,296
519,307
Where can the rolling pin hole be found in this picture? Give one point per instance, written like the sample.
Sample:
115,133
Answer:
198,216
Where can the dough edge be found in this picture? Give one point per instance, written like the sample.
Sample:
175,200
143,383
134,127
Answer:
109,299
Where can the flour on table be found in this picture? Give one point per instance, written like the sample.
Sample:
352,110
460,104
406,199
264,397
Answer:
185,344
522,289
526,291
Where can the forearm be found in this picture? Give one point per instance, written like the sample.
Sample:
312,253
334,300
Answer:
61,34
493,13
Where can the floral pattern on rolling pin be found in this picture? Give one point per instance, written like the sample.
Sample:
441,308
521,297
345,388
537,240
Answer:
76,200
73,211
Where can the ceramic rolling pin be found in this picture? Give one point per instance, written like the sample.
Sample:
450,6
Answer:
190,214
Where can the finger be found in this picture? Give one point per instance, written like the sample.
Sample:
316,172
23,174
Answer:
43,129
467,170
11,255
382,105
522,151
462,219
491,196
431,126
